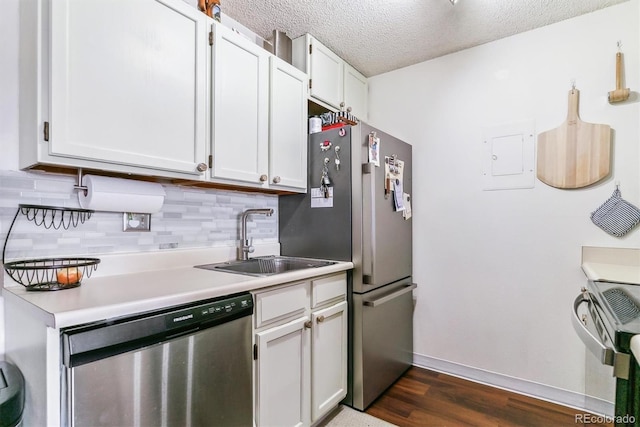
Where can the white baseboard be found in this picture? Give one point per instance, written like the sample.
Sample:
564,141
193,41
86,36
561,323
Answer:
517,385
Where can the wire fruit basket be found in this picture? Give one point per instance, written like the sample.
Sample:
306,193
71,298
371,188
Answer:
50,274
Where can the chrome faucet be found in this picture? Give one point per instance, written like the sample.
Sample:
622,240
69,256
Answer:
245,244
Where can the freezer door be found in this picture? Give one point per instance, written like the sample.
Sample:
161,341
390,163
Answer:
382,340
386,234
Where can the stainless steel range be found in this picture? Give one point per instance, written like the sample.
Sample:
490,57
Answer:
606,315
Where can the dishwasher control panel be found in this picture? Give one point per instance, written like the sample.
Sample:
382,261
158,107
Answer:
86,343
211,311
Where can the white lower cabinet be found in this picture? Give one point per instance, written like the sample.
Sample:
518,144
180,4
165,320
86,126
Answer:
329,361
282,370
300,351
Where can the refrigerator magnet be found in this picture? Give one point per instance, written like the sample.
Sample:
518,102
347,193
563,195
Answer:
319,197
406,213
398,195
374,149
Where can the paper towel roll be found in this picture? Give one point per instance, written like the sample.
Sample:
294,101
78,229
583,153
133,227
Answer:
120,195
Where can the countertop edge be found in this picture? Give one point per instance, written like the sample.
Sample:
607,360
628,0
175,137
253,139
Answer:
620,265
41,305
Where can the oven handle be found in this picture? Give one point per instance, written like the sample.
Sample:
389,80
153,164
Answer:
595,346
606,355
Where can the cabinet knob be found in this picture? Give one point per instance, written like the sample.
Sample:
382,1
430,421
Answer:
342,105
276,179
202,167
263,178
307,324
320,319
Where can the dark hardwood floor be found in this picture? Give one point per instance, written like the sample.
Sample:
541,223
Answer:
424,398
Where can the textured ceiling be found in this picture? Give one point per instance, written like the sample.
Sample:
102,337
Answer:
380,36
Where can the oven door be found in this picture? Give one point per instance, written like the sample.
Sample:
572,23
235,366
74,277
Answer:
599,383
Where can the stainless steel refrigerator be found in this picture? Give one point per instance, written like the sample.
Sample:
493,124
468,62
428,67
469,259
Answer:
353,212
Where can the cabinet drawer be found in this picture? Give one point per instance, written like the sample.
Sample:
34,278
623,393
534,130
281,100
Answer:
329,288
281,303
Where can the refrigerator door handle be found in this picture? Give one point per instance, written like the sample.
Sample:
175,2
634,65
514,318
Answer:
378,302
368,220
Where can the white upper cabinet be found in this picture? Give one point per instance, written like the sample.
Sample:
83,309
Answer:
288,126
356,92
333,83
259,125
327,74
156,87
240,108
118,86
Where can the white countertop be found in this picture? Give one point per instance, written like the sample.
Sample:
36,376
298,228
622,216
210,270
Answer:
110,296
621,265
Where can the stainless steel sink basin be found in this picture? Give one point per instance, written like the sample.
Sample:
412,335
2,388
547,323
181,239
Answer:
266,266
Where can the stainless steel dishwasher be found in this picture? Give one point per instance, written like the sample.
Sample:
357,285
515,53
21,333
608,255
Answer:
183,366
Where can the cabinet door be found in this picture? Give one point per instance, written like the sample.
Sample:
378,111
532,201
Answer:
356,92
329,361
326,74
282,375
288,126
240,108
128,83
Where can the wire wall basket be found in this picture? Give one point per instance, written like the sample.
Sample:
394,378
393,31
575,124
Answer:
53,217
50,274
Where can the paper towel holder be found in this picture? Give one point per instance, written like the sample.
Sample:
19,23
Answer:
79,185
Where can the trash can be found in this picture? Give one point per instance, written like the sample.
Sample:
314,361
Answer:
11,395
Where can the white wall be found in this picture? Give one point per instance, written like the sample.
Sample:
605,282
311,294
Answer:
498,270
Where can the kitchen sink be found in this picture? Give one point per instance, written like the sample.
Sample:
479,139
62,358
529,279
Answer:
266,265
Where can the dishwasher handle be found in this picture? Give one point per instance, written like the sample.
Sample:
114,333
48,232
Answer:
606,355
379,301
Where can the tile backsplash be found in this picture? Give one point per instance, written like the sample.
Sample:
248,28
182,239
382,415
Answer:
190,218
